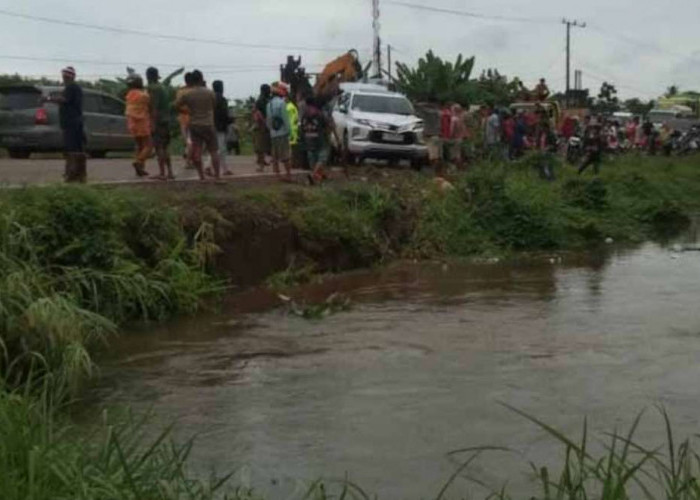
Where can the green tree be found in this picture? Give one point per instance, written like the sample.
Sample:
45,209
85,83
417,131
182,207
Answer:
607,101
672,91
638,107
495,88
438,81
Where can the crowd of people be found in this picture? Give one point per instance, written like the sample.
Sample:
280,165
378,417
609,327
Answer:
289,134
292,133
458,137
279,125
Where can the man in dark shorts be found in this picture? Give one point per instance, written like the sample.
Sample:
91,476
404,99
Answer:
200,101
160,115
594,142
70,103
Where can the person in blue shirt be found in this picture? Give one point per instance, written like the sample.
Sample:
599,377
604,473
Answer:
280,129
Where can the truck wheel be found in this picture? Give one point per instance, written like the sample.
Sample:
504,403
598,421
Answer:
417,164
19,154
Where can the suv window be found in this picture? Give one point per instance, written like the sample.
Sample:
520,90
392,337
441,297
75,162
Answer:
19,98
112,106
382,104
91,103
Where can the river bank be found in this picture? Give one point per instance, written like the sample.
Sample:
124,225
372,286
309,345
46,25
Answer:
79,262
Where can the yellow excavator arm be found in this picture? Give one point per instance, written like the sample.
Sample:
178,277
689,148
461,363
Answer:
345,68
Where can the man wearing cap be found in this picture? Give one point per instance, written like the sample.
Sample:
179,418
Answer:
160,126
279,126
70,104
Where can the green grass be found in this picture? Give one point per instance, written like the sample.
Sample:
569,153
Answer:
43,456
614,466
76,264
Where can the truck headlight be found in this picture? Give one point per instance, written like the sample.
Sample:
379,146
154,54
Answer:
359,133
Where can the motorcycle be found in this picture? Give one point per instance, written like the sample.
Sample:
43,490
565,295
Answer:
688,142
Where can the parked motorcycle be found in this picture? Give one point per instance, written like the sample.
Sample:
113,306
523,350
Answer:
687,143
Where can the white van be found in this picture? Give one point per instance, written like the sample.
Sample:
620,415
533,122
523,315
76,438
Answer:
374,122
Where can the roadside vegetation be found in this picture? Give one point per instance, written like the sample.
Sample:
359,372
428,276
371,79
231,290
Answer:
74,266
77,263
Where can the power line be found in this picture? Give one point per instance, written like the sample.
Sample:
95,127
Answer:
102,62
474,15
162,36
639,43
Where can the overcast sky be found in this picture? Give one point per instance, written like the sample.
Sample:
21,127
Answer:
641,46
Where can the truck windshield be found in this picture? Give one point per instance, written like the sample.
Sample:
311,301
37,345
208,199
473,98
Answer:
19,98
382,104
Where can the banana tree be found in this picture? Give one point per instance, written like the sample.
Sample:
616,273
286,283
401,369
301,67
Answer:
437,80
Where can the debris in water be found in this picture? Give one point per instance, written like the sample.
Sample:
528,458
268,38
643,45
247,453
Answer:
335,303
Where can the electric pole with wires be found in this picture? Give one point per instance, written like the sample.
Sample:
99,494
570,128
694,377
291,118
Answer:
569,24
377,54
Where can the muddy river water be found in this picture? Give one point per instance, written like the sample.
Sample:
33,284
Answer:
417,368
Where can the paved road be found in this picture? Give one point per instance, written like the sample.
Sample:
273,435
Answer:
111,170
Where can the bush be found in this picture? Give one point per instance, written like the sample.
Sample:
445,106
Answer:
76,262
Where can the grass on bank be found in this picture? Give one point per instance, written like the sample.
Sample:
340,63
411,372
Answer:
493,209
76,263
613,467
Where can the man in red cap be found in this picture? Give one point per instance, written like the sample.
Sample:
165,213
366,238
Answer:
70,104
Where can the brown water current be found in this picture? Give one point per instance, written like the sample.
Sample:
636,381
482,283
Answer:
417,368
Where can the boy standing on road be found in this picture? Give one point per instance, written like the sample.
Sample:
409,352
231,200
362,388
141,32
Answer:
594,143
317,126
70,104
200,102
160,117
293,113
261,134
222,122
138,119
279,126
183,117
492,136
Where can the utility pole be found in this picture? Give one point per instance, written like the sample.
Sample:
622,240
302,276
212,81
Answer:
377,57
569,24
388,60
